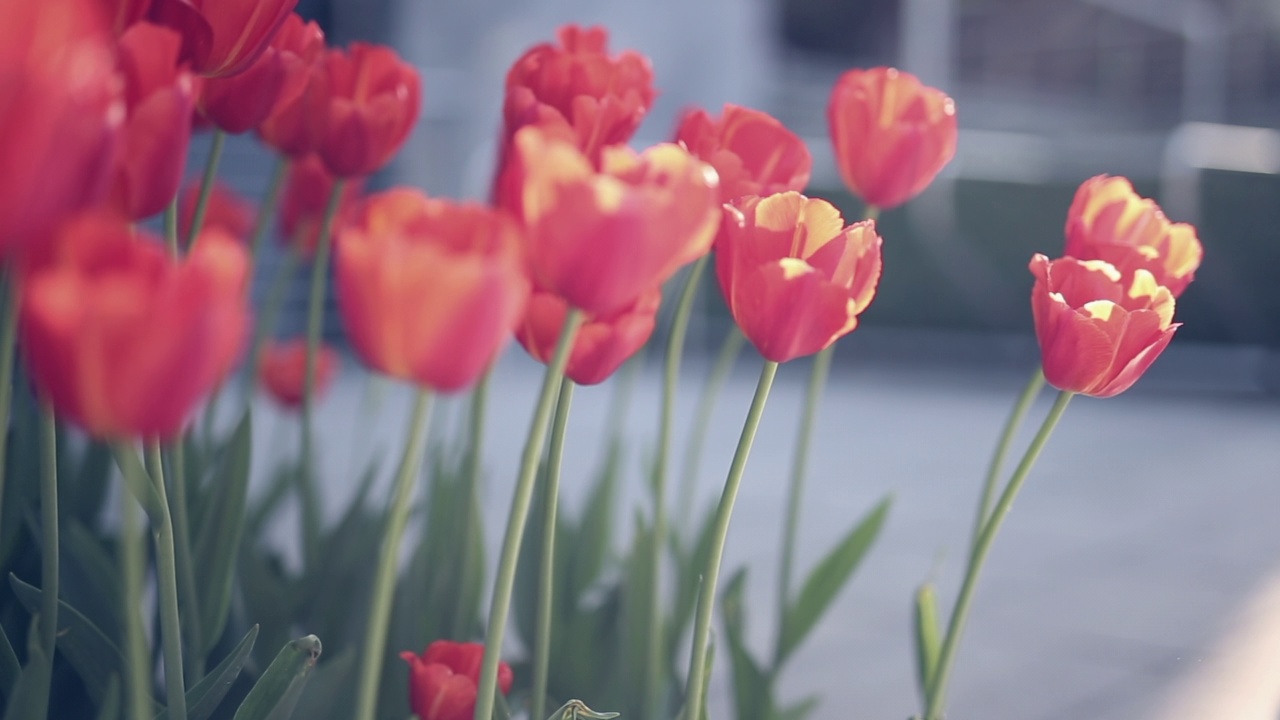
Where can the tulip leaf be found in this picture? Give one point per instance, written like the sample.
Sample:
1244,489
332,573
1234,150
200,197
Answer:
110,708
927,636
9,667
91,578
276,693
798,711
578,710
752,688
95,658
204,697
330,688
219,539
826,580
30,695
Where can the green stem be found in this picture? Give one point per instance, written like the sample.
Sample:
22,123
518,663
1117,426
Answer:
462,617
271,307
170,224
315,325
49,543
1011,425
546,571
694,699
946,657
730,349
206,186
813,396
269,201
132,558
167,590
384,583
670,378
186,567
504,582
12,298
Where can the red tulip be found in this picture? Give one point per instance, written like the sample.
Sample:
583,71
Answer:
752,152
442,681
794,276
296,124
1097,333
227,210
891,134
222,37
1109,221
61,108
601,239
602,344
122,339
429,289
283,371
158,129
374,99
577,84
237,103
124,13
302,203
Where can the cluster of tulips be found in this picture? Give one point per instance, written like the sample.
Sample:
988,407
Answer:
124,332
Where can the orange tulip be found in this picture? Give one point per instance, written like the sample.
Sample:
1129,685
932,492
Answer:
1109,221
752,152
222,37
283,371
578,85
227,210
601,345
160,98
61,108
374,98
601,239
237,103
429,289
296,124
794,276
1097,333
302,203
891,134
124,340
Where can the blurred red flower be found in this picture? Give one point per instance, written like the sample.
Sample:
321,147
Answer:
891,134
302,203
283,371
752,152
124,340
296,123
237,103
1109,221
429,289
1097,333
602,344
227,210
373,103
222,37
794,276
123,13
61,110
443,679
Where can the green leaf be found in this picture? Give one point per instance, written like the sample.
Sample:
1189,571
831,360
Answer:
30,695
798,711
689,581
110,708
220,532
752,688
9,667
578,710
85,499
927,636
91,577
826,580
331,684
595,526
276,693
95,658
203,698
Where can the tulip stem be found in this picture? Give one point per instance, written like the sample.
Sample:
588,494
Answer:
170,223
167,588
206,186
799,465
655,637
946,656
1011,425
269,201
730,349
271,307
315,325
186,567
504,582
694,699
384,583
132,558
49,545
546,572
462,611
11,296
